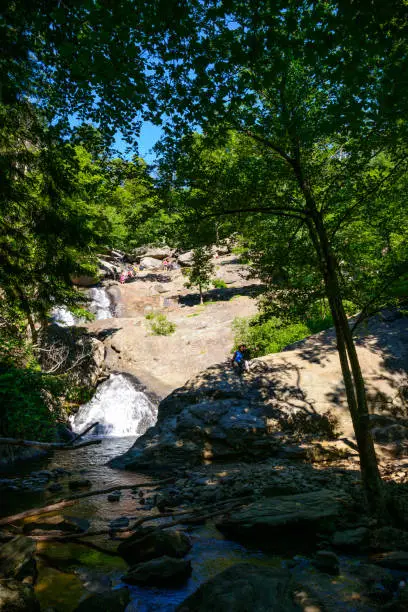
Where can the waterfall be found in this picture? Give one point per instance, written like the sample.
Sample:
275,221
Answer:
60,315
120,408
100,305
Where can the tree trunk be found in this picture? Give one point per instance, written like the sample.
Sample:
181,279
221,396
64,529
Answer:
350,366
200,289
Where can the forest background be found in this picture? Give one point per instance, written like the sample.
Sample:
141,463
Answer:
284,124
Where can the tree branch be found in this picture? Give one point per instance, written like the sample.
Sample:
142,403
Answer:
376,187
284,212
267,143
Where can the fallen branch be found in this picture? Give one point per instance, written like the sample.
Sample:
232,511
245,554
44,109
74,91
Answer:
191,517
70,501
49,445
83,433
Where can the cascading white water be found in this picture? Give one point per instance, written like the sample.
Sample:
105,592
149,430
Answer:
120,408
100,305
62,316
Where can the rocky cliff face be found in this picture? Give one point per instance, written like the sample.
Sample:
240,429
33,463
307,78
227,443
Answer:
285,397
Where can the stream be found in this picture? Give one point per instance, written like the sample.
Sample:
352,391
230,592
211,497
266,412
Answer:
69,571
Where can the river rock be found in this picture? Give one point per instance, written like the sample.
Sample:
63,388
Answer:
327,561
372,574
111,601
114,496
291,522
17,560
151,544
395,560
186,259
351,539
158,252
151,263
164,571
17,597
243,588
79,483
388,538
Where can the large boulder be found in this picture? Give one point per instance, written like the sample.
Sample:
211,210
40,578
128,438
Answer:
151,544
287,523
151,263
244,587
186,259
299,392
158,252
17,560
17,597
161,572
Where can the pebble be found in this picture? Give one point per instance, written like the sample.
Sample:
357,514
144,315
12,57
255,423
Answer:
114,496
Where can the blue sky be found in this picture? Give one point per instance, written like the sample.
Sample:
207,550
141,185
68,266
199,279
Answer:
149,135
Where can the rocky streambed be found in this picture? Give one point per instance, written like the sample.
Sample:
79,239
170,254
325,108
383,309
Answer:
277,534
245,496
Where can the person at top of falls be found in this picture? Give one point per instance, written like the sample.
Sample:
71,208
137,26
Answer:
122,278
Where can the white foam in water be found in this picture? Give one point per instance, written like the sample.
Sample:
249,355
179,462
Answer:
119,407
62,316
100,305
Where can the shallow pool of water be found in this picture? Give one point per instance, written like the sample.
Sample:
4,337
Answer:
89,462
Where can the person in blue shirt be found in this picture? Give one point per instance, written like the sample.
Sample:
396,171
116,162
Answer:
239,359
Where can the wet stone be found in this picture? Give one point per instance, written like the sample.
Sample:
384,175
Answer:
164,571
79,483
351,539
147,544
244,587
114,496
396,560
327,561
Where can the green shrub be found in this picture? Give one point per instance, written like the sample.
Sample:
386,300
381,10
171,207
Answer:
160,325
29,403
266,337
218,283
273,335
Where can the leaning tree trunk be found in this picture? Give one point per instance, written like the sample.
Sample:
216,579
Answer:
350,366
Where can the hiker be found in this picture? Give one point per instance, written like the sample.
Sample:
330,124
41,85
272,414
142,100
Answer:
238,360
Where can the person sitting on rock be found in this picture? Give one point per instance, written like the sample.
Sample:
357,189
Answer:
238,360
